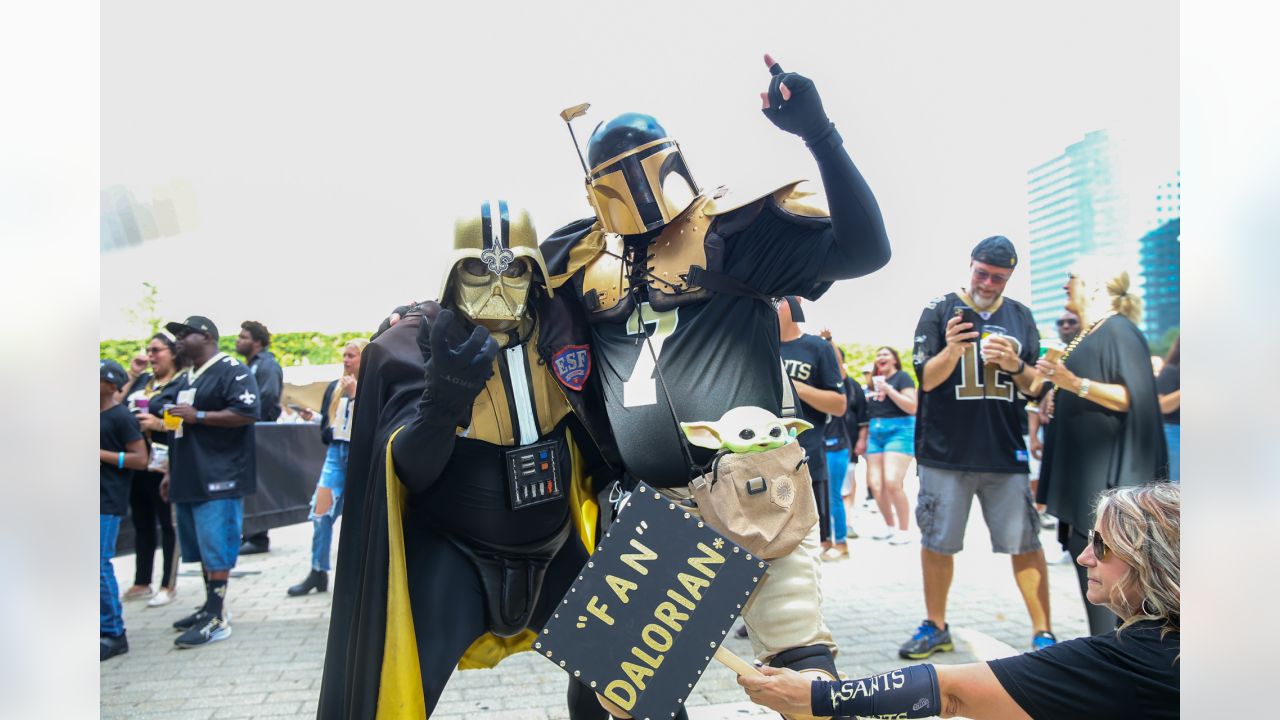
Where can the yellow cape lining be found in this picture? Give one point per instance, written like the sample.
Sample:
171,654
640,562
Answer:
400,694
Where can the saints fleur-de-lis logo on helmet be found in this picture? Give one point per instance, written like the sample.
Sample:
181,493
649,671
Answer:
497,258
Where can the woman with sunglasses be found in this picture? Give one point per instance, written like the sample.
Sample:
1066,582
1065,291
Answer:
1132,562
146,507
1105,430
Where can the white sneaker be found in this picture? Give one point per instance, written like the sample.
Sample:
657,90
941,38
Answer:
901,537
884,534
163,597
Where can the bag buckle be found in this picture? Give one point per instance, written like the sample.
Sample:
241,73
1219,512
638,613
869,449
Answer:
756,485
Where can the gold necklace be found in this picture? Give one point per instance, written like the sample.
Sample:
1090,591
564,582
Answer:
1080,338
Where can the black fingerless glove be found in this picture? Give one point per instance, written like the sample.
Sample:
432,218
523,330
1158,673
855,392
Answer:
910,692
455,376
802,113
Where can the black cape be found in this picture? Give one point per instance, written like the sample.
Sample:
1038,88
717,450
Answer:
1089,448
371,662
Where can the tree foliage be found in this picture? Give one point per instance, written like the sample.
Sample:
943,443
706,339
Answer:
300,348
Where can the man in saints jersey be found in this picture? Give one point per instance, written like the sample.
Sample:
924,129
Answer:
470,505
975,352
675,282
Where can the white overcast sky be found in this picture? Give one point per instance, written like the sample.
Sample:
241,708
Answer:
328,147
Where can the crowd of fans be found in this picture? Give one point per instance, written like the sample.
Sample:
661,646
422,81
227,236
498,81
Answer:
1036,449
177,457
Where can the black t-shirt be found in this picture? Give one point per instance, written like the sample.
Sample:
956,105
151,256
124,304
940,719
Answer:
811,360
971,422
714,355
207,462
1167,382
116,429
887,408
843,433
1126,676
270,378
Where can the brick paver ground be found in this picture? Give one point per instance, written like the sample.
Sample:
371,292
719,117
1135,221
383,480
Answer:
270,666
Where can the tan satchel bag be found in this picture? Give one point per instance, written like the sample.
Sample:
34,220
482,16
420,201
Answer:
762,501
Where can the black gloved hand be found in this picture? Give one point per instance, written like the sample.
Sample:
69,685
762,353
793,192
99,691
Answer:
455,376
801,113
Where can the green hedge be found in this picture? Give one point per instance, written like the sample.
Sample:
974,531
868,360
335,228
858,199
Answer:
301,348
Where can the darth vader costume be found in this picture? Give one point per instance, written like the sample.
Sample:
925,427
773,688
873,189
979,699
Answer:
471,486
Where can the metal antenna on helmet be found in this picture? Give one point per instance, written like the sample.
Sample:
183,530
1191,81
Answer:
568,114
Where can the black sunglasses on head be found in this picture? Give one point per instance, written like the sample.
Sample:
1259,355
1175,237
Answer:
1099,547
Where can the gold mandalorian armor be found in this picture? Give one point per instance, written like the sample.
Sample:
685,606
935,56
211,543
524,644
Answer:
684,243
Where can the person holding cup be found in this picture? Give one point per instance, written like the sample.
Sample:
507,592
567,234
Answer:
1106,430
974,355
147,509
891,409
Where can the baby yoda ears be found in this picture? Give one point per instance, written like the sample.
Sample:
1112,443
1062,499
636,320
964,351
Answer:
702,434
795,426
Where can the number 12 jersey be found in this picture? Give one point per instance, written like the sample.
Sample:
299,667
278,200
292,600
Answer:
970,422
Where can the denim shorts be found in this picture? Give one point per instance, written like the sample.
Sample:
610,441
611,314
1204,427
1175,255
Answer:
946,496
892,434
209,532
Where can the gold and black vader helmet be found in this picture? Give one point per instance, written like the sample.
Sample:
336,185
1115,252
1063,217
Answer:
495,258
638,180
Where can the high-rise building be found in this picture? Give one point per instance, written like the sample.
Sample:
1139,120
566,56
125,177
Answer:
1161,279
1075,208
1168,202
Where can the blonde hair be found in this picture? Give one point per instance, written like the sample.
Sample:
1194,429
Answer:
1103,272
1142,526
358,344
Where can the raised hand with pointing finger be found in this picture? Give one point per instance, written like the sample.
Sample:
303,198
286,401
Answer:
792,103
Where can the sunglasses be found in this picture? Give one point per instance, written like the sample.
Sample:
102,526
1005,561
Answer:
1067,323
1100,548
984,276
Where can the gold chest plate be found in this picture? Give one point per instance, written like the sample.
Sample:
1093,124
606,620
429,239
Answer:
680,245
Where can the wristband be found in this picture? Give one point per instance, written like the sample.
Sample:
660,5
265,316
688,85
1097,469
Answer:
1084,388
1022,365
120,461
910,692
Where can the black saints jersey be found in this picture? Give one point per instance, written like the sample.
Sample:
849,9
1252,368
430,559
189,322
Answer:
714,355
811,360
970,422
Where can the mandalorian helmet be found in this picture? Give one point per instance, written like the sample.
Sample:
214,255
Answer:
638,179
495,257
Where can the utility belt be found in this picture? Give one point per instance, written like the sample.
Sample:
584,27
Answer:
512,577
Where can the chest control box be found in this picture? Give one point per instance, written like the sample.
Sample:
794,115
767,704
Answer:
534,475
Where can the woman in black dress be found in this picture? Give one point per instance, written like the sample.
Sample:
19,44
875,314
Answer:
1106,430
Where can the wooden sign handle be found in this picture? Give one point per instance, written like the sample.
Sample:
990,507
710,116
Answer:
735,663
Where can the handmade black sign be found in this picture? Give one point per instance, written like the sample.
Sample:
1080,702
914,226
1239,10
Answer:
649,610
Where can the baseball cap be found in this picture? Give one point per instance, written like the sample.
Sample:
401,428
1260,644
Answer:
195,323
111,371
996,250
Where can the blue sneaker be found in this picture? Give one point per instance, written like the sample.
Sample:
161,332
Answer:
1042,640
928,640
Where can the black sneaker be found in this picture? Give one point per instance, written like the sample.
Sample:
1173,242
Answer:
112,645
211,630
927,641
196,618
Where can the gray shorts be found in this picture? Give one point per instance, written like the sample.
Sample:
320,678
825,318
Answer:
942,510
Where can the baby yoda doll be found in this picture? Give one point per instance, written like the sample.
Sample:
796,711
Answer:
745,429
